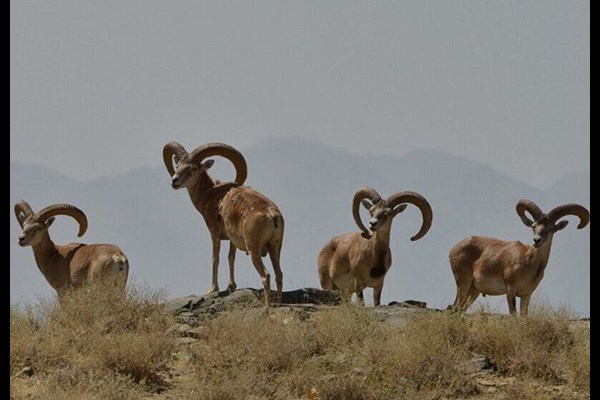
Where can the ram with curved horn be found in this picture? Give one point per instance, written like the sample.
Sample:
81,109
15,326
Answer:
73,264
489,266
249,220
354,261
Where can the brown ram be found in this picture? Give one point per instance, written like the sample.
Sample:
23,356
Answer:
489,266
249,220
73,264
354,261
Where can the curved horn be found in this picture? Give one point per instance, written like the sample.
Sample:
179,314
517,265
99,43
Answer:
363,193
528,205
223,150
65,209
570,209
420,202
22,211
171,149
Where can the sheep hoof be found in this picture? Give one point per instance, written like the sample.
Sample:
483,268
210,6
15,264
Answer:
213,289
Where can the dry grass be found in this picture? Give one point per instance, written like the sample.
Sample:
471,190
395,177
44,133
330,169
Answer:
346,353
95,347
97,341
539,346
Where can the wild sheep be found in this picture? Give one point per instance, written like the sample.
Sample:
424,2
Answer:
73,264
494,267
232,211
354,261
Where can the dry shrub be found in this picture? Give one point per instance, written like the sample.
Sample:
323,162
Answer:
103,308
428,353
243,350
24,328
93,346
142,357
343,353
578,362
345,387
346,353
95,331
68,384
346,326
540,345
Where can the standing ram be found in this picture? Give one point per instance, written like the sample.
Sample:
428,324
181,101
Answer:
489,266
354,261
73,264
249,220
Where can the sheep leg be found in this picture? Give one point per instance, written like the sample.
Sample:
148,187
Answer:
524,306
231,259
216,242
472,295
377,294
61,294
462,291
274,256
264,274
361,297
325,279
511,297
358,289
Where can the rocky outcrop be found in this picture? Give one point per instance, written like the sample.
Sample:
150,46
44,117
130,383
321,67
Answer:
192,310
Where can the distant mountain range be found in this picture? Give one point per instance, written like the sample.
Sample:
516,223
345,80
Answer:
169,245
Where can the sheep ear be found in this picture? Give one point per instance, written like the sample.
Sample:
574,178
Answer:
49,222
561,225
400,208
207,164
366,204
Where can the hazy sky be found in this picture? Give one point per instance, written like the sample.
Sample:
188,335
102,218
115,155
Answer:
98,87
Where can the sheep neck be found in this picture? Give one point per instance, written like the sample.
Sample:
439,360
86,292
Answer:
381,237
198,191
46,256
539,256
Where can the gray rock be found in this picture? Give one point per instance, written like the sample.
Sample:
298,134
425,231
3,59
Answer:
196,333
27,371
311,296
300,304
180,328
258,312
186,317
397,316
181,304
186,340
328,377
242,296
408,304
479,364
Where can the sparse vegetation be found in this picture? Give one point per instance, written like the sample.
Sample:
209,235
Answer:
98,345
97,342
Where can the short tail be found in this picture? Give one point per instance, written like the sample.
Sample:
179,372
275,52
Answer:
121,266
276,218
120,262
